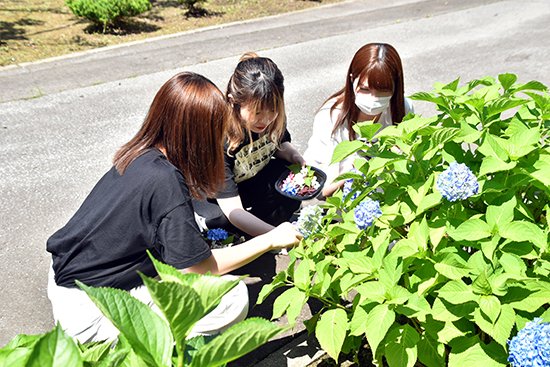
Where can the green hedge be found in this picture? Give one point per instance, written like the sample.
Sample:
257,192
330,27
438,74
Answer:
107,12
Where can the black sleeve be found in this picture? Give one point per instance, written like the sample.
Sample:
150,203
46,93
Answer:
286,137
230,188
179,240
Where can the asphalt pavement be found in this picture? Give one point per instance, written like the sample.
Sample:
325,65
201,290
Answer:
62,119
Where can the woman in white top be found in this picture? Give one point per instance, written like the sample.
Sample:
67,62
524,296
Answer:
373,92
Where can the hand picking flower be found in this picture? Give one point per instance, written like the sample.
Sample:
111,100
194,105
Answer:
366,213
300,182
457,182
309,221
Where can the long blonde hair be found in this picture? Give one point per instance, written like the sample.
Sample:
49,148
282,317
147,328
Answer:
258,82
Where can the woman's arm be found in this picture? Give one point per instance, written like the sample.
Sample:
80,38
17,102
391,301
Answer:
233,209
289,153
330,188
228,259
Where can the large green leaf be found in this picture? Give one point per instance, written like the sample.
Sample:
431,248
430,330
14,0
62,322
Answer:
290,301
457,292
94,352
492,147
18,350
345,149
430,352
147,333
55,349
331,331
541,169
438,140
358,323
180,304
452,266
490,307
235,342
379,320
471,230
430,201
366,129
14,357
210,288
507,80
302,278
401,351
501,329
529,298
494,164
499,216
371,291
520,231
471,353
500,105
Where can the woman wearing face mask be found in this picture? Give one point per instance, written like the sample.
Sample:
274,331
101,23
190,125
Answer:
373,91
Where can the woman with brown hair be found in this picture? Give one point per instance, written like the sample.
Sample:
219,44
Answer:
258,151
143,203
373,91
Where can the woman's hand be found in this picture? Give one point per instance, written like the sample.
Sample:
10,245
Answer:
297,158
283,236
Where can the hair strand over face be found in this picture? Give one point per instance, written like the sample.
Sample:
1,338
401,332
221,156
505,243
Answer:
258,83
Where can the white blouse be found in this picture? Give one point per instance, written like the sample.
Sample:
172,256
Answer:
322,142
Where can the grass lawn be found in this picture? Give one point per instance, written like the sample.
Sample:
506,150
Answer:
31,30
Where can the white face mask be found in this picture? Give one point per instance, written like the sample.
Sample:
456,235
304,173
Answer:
369,104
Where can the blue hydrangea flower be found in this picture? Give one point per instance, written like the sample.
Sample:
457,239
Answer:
531,345
366,213
347,189
457,182
217,234
309,221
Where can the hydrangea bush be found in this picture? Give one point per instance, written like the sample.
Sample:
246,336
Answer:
438,253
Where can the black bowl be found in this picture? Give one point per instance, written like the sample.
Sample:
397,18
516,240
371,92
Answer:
321,178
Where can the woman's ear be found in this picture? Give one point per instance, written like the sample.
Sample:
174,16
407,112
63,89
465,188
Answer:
230,99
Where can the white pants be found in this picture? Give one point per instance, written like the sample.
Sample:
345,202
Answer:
81,319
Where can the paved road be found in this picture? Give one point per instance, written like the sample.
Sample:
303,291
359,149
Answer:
53,148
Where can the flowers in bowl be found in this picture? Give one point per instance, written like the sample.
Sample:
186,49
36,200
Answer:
302,182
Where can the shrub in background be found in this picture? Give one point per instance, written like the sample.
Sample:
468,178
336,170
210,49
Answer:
107,12
193,8
146,339
438,252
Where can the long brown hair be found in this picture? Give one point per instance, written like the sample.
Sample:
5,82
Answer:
380,65
187,118
257,81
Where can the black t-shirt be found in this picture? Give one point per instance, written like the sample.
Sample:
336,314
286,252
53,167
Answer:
247,160
147,208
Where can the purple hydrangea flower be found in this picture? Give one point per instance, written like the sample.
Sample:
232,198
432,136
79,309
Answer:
457,182
366,213
531,345
309,221
217,234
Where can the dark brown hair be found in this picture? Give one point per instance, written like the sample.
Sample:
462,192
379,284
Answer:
380,65
187,118
256,80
